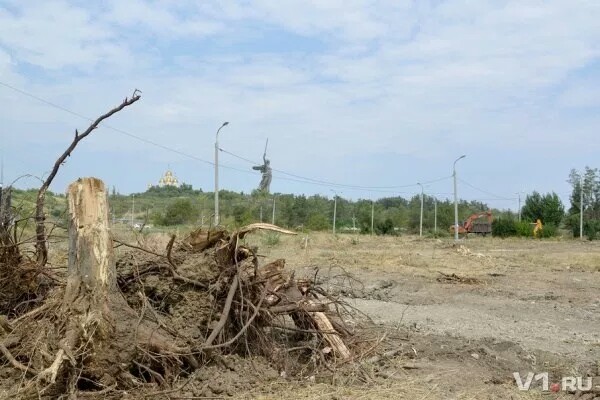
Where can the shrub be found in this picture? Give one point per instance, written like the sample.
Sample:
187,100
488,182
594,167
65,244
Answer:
548,231
439,234
241,215
385,227
504,227
178,212
524,229
271,239
318,222
592,233
591,229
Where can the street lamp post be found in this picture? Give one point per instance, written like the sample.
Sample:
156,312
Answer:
372,217
435,215
335,195
581,207
217,173
456,198
273,218
132,208
421,218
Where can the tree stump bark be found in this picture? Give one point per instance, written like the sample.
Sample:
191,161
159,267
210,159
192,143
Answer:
91,259
104,337
9,254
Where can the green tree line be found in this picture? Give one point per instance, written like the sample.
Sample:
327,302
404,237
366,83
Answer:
586,182
169,206
174,206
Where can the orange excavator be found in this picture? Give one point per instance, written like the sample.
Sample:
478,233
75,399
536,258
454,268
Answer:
480,223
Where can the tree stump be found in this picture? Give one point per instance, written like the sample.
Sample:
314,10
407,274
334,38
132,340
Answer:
104,337
9,253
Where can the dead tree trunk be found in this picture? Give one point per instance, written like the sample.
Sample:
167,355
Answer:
91,260
109,336
9,253
14,280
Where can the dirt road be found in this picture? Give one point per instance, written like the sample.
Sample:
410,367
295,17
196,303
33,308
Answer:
558,318
483,309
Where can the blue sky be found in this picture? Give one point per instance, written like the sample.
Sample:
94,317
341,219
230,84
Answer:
364,93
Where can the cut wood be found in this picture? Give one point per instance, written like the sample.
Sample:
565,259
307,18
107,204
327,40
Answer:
200,239
330,335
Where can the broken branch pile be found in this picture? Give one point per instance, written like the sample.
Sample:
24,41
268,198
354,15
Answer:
149,318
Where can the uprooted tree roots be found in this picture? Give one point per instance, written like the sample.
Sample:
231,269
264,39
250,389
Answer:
158,317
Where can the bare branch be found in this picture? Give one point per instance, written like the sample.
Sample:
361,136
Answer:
40,229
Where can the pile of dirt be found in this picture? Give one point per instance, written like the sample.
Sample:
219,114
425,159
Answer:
378,290
453,278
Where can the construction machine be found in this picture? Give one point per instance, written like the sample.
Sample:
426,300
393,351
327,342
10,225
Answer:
480,223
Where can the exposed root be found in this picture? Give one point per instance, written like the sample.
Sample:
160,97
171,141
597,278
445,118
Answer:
224,314
14,362
49,374
104,345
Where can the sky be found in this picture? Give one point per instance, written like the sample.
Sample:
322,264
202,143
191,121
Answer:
373,95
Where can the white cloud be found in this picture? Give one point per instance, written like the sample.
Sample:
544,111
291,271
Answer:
162,19
347,20
405,77
55,35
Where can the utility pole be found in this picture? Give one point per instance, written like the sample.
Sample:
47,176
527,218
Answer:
519,194
353,222
434,215
273,219
421,218
372,217
261,213
334,211
456,199
217,173
132,208
334,208
581,207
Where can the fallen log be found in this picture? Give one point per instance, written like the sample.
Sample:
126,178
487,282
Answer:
323,324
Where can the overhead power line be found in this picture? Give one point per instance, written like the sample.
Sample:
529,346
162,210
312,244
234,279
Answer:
104,125
288,176
496,197
334,184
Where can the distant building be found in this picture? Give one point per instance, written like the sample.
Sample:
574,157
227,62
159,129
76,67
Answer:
168,179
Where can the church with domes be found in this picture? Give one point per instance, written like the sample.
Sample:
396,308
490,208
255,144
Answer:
168,180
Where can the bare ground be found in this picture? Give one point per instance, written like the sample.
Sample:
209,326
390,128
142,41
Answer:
463,319
474,313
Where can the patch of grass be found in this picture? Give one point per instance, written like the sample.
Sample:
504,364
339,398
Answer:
271,239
